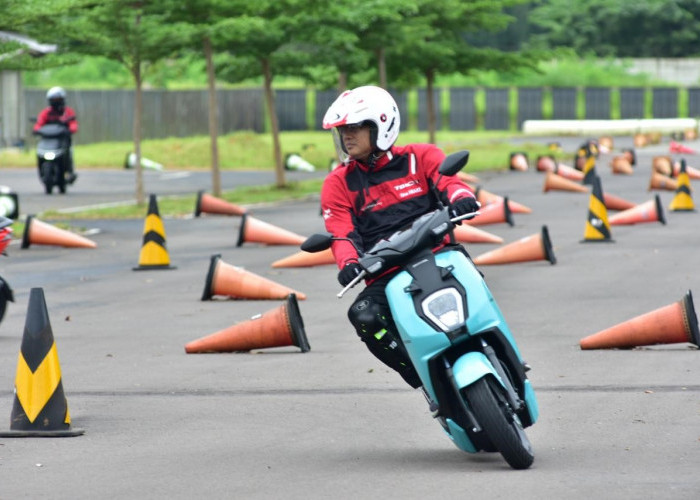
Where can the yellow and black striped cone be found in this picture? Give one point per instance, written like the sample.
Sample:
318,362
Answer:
40,408
153,252
682,201
589,173
597,225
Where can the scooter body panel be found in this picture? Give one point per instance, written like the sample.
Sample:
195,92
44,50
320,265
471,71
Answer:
423,341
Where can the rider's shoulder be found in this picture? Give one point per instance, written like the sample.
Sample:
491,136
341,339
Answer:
418,148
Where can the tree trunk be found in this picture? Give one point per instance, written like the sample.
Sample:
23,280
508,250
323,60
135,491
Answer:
138,106
270,101
342,82
430,107
381,67
136,131
213,119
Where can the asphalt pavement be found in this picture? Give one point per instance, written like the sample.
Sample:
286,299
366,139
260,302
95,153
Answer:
333,422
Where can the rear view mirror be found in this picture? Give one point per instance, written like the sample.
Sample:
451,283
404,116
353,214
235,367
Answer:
454,163
317,242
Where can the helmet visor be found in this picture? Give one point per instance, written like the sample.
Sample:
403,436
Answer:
343,156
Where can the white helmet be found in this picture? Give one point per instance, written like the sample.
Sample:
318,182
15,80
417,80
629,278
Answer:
367,104
56,97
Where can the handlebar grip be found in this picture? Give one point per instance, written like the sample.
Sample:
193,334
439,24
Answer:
470,215
354,282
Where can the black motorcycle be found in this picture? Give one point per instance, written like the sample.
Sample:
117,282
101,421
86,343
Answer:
52,153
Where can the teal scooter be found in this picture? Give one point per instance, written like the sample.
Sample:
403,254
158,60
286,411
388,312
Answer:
454,332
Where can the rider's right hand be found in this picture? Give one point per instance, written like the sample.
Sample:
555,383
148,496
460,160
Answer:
349,273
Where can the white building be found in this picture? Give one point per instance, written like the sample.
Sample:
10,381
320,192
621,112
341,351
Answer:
13,117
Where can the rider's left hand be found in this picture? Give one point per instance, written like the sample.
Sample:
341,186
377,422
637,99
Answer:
464,206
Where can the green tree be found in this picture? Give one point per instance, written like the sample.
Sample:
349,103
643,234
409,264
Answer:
213,24
645,28
31,19
136,33
278,40
380,25
435,44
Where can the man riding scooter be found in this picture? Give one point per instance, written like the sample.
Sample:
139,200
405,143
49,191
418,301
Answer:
58,112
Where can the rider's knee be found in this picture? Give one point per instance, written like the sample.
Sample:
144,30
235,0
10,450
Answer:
368,317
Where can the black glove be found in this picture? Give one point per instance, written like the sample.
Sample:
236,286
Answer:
349,273
464,206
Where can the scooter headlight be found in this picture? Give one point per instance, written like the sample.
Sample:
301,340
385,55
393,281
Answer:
445,309
49,155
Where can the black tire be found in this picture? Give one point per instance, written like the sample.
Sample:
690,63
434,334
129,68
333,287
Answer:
3,306
499,423
61,184
47,176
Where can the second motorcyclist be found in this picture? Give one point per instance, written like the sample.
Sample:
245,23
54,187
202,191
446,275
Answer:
58,112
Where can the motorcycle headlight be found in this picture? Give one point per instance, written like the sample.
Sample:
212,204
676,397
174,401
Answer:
445,309
49,156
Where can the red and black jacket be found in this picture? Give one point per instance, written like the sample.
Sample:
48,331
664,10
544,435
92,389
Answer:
49,115
367,204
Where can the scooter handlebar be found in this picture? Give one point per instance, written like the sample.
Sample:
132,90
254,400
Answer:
468,216
354,282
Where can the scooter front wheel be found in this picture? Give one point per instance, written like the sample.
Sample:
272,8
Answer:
500,424
47,172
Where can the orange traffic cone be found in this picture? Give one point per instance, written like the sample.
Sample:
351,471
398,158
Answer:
568,172
555,182
40,233
518,161
613,202
650,211
683,201
278,327
597,225
257,231
662,165
534,247
468,178
605,143
235,282
494,213
40,408
546,163
693,173
675,147
306,259
208,204
621,165
661,182
486,198
469,234
672,324
640,140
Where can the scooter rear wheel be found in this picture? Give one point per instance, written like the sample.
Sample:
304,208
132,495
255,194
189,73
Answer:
499,423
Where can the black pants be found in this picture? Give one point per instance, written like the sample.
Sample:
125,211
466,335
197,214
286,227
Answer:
371,317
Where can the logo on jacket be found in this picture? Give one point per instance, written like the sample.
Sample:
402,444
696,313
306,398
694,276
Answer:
408,188
326,213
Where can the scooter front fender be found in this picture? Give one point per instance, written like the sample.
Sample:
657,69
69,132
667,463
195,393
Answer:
471,367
